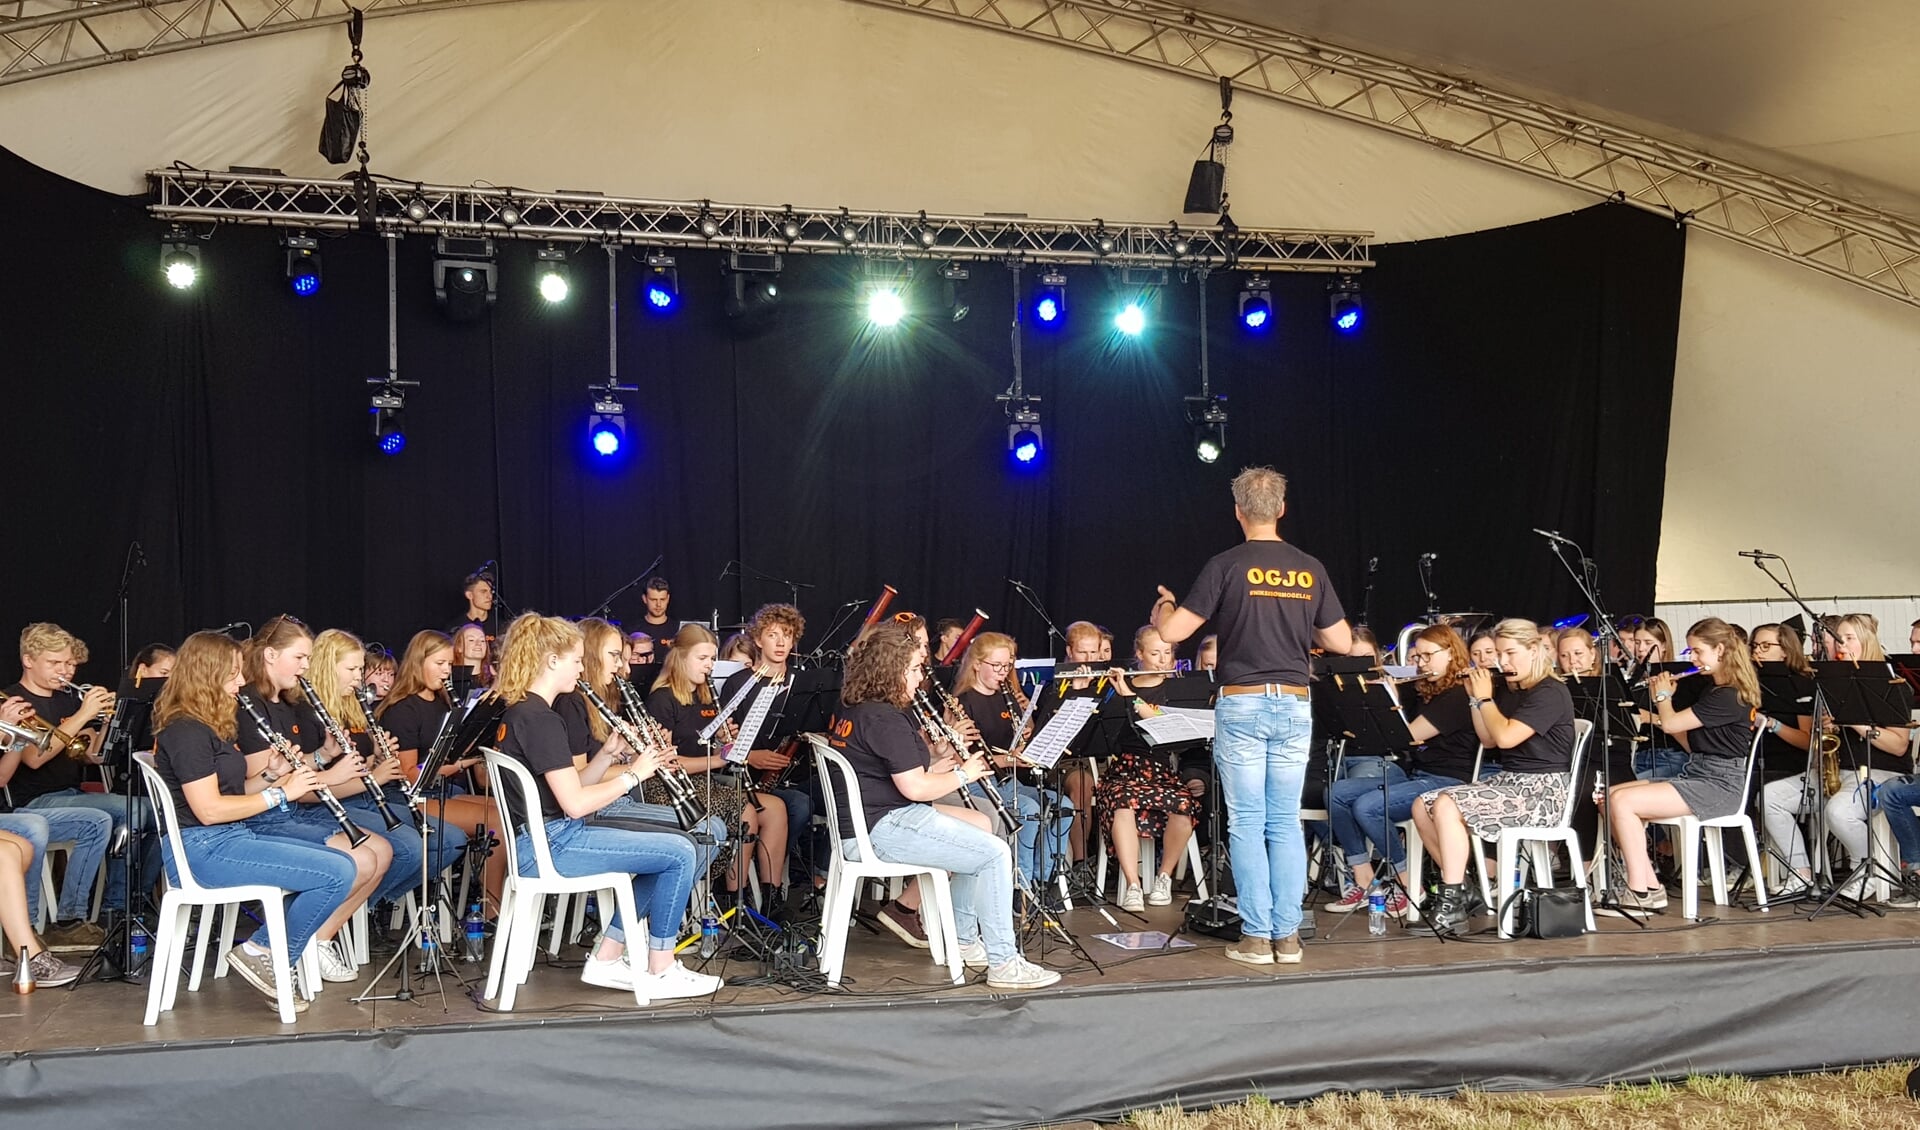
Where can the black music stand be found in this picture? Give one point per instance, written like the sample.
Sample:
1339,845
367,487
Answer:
1862,694
1371,723
1785,694
129,728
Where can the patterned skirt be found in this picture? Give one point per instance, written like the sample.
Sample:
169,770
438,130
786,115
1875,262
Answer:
1507,800
726,803
1149,787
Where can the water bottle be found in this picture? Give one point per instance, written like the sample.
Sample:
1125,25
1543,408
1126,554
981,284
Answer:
140,943
476,939
709,935
1377,909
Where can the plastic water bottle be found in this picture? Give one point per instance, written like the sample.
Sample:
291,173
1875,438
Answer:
1377,909
140,943
709,935
476,939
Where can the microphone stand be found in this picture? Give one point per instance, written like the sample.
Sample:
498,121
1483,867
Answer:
136,558
1039,610
605,607
840,616
1586,577
792,587
113,960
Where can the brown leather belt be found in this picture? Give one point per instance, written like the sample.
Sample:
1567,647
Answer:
1266,689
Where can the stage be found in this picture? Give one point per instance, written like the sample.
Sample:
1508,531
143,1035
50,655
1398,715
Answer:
898,1047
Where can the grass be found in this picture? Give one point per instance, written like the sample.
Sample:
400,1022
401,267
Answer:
1870,1097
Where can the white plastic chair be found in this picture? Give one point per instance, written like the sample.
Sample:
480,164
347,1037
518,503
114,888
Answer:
1692,831
517,932
1537,840
1148,847
170,939
845,876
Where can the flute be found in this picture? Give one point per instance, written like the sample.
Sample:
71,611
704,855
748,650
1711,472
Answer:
286,749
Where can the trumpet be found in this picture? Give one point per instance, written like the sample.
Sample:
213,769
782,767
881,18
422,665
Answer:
81,744
20,737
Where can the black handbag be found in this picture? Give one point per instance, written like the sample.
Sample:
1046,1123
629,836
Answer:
1548,912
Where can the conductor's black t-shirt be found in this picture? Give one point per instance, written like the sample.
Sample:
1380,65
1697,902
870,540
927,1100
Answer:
1451,752
1726,724
1546,708
414,721
1264,599
532,734
188,750
878,740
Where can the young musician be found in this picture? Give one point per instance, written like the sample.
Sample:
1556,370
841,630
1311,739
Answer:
992,700
16,921
640,651
682,701
1866,753
737,648
87,829
1574,647
273,662
772,634
336,671
1140,795
1483,650
154,661
44,780
540,660
1783,751
1271,603
478,590
227,803
1719,729
947,630
1207,656
1445,757
381,670
900,778
1530,721
1083,651
656,621
1651,641
413,712
472,657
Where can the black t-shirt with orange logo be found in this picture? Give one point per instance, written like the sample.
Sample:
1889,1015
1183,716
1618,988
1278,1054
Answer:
991,715
878,740
285,718
685,722
532,734
1264,599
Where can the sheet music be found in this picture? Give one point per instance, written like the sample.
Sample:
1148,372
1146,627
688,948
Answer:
750,726
1051,742
1177,724
1026,717
722,668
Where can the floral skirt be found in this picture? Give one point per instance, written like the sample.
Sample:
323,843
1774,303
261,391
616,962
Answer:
1151,788
1507,800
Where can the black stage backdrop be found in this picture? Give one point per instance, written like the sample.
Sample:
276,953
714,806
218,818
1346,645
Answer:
1505,380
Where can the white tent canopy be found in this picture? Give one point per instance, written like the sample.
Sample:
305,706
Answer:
1792,391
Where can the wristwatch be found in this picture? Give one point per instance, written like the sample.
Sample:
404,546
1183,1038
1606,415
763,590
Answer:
1663,696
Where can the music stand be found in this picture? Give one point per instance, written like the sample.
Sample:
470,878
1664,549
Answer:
1370,720
129,728
1784,694
1857,694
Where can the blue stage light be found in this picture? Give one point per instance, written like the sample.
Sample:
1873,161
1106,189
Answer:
1051,306
393,443
1048,309
606,438
1344,305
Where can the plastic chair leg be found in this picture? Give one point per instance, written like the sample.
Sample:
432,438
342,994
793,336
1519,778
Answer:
1690,872
1716,863
1755,863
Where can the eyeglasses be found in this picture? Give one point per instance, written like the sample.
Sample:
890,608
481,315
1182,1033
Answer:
283,618
998,666
1428,654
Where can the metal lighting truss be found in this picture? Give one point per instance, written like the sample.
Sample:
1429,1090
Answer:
1868,246
50,37
186,195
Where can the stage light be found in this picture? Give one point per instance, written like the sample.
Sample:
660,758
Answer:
607,426
1131,320
303,262
953,288
1208,417
510,212
708,225
662,287
1052,303
885,307
755,279
1103,243
847,229
179,259
1256,303
465,281
790,227
1024,437
1344,305
550,274
924,233
389,431
417,209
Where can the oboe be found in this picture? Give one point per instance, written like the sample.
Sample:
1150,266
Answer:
681,794
286,749
345,741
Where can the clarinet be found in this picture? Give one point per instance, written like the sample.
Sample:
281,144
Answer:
286,749
936,726
636,713
681,795
345,741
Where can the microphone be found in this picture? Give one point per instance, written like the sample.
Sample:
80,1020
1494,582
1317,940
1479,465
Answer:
727,570
1373,565
1759,555
1429,558
1553,535
224,629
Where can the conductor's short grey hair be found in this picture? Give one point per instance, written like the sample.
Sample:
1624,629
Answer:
1260,493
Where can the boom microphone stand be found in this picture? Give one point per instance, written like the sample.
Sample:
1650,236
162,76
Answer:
1033,602
605,607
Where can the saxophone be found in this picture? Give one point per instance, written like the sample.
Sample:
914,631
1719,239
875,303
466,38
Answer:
1830,762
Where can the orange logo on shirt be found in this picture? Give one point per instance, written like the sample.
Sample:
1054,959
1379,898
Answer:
500,735
1292,578
843,728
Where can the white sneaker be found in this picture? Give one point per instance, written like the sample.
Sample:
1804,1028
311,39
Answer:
974,954
678,983
1019,973
1162,892
1132,899
615,974
334,966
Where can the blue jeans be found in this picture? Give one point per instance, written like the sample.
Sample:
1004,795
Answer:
89,830
1260,753
799,825
662,865
1039,850
1659,764
403,874
141,839
1359,815
626,808
1896,799
981,865
1363,766
236,854
308,823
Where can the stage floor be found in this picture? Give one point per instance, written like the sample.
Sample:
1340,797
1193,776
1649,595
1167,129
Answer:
1400,1012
